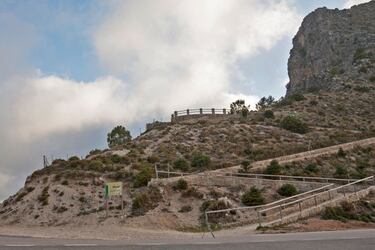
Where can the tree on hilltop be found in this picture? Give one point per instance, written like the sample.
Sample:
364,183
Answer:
239,107
118,136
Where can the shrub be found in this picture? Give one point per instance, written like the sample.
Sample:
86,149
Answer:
311,168
253,197
372,78
96,166
74,158
294,125
296,97
341,153
268,114
143,177
145,201
65,182
245,165
61,209
274,168
116,158
192,192
43,197
313,102
211,205
181,164
200,161
181,184
333,213
287,190
185,209
341,172
153,159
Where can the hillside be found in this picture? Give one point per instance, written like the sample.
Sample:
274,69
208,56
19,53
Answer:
324,106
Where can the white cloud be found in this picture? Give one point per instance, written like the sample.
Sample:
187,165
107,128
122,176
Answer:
49,104
180,54
174,55
350,3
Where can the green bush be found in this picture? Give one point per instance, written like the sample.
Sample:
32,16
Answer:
313,102
96,166
372,78
153,159
200,161
74,158
143,177
341,172
287,190
268,114
311,168
296,97
341,153
192,192
212,205
274,168
185,209
145,201
65,182
181,164
43,197
294,125
253,197
334,213
116,158
245,165
181,184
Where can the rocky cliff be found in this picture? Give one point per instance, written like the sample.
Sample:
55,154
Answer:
334,49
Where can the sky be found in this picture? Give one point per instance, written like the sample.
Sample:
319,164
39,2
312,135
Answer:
72,70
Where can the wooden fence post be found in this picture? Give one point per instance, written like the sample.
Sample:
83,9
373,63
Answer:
213,111
187,111
201,111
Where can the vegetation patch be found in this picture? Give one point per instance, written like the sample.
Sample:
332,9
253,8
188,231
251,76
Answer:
253,197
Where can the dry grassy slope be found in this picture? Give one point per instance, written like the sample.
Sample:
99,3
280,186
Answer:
333,117
336,118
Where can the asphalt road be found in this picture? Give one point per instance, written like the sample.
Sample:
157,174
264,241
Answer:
341,240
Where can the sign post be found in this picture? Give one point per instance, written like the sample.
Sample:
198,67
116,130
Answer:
113,189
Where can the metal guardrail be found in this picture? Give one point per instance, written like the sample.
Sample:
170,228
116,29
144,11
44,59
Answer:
290,177
256,208
286,209
255,176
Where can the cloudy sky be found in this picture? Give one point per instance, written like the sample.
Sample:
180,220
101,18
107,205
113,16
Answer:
71,70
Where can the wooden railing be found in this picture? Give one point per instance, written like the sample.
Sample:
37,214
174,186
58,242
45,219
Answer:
200,111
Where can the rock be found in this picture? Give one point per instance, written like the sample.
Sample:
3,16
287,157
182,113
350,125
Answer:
333,49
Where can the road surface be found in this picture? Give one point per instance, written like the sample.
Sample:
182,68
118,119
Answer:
340,240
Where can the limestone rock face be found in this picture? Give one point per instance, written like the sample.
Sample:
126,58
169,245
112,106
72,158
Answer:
333,49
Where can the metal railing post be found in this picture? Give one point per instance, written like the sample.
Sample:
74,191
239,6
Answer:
259,219
156,172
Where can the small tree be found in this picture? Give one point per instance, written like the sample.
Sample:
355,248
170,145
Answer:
253,197
118,136
265,102
239,107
